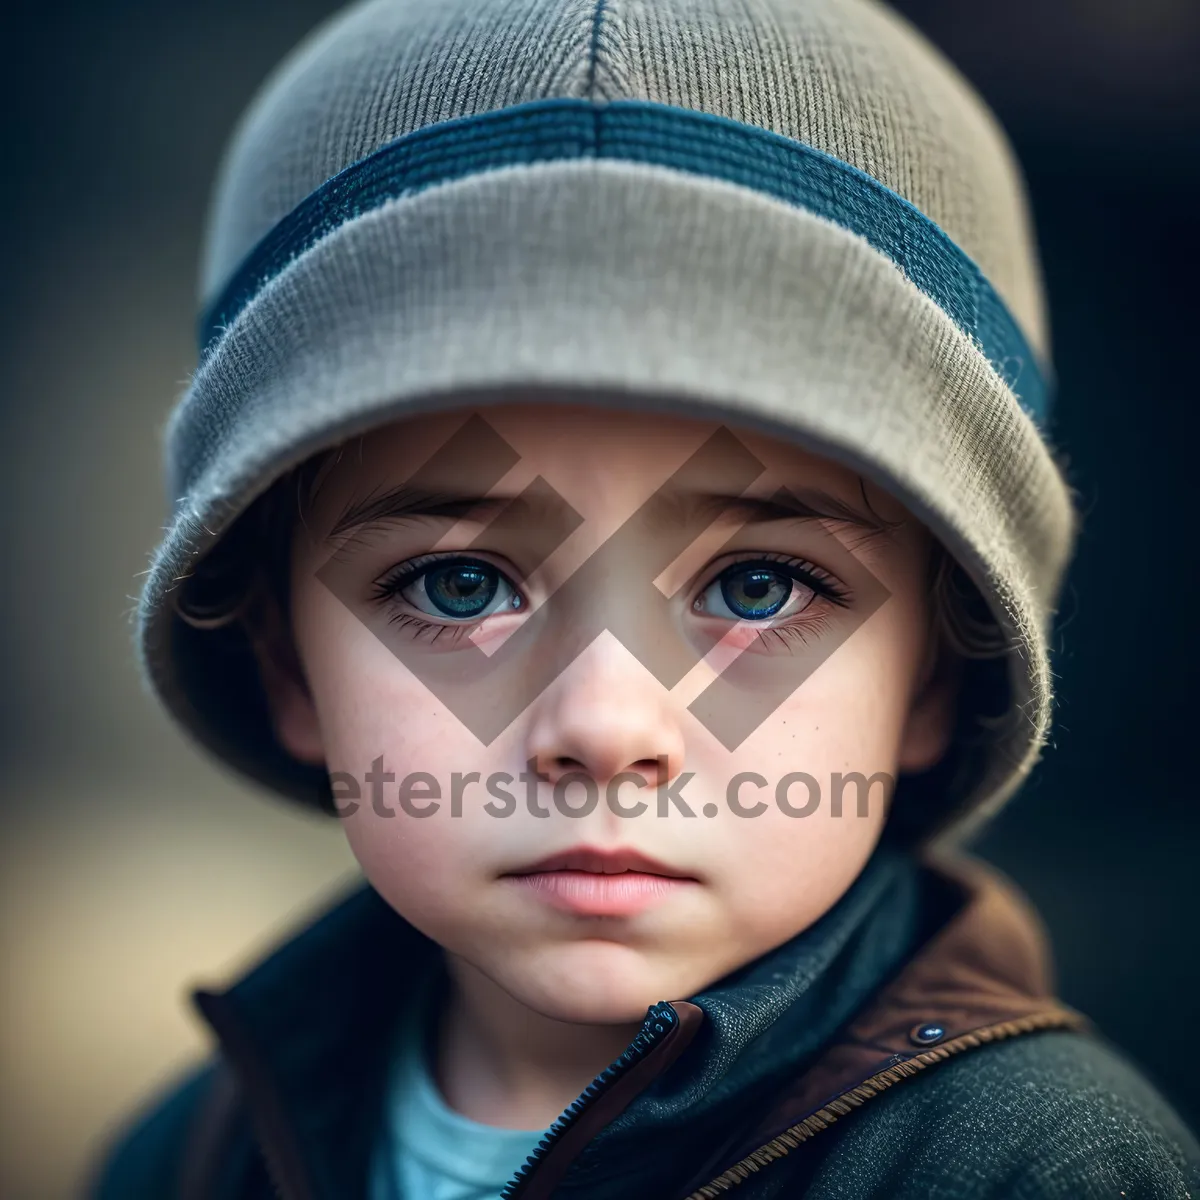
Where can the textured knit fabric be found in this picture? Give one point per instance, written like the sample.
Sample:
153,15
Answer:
636,285
1057,1116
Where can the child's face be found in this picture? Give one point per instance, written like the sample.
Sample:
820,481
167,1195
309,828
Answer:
400,613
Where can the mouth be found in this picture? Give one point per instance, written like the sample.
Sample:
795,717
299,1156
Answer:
590,881
599,861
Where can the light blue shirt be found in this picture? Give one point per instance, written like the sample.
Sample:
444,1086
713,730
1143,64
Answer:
430,1152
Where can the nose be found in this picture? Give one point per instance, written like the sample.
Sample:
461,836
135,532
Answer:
604,715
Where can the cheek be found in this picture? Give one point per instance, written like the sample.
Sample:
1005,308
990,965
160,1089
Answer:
379,724
848,714
368,703
780,871
411,862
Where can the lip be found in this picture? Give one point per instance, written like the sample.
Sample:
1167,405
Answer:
602,861
599,882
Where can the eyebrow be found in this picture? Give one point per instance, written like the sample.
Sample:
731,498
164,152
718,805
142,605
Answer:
786,504
408,503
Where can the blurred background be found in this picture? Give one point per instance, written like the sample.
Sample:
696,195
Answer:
132,868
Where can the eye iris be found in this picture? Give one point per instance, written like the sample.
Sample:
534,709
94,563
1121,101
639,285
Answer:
461,590
755,593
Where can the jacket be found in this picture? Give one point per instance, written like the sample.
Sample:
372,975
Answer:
907,1045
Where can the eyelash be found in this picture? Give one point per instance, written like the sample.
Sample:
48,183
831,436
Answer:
801,570
823,585
803,625
388,589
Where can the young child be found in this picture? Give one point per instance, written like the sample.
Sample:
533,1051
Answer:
616,485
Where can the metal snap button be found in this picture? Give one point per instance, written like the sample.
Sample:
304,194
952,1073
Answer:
926,1034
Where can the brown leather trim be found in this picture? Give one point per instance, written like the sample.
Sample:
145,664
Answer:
983,977
987,966
612,1102
209,1128
789,1139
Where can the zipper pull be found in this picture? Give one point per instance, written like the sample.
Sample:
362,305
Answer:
667,1030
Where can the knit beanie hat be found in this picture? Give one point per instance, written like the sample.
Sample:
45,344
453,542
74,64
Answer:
792,215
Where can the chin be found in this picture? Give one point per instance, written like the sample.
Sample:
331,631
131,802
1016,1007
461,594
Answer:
594,983
581,1007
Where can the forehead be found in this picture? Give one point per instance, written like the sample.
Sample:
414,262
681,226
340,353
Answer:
585,451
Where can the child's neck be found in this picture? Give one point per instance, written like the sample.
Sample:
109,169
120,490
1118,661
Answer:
501,1063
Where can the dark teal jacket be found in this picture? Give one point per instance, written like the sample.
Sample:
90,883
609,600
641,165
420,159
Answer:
905,1046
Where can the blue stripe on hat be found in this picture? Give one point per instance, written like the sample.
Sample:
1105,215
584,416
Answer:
662,135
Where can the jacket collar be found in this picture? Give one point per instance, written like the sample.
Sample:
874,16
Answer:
983,976
906,944
304,1032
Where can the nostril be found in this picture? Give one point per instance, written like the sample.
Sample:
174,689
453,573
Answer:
653,771
649,768
552,769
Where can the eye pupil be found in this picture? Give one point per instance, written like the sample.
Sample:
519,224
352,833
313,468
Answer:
461,590
754,593
757,585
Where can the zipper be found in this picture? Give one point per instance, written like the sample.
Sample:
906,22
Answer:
662,1026
855,1097
666,1030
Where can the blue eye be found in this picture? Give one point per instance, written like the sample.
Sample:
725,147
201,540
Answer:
754,593
459,589
463,590
757,591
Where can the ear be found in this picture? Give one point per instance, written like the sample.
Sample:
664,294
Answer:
929,728
293,713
